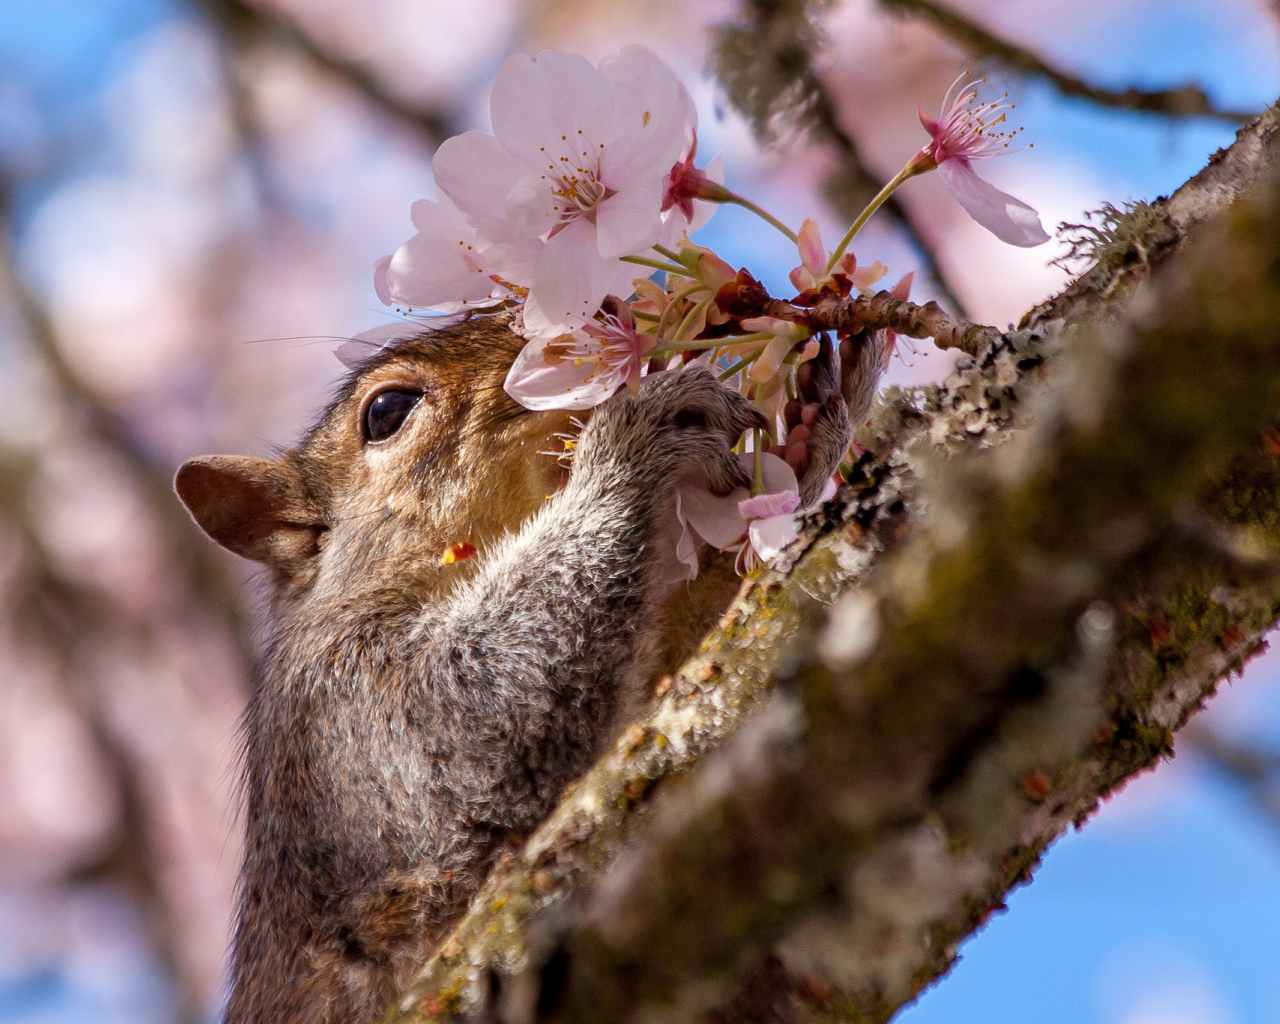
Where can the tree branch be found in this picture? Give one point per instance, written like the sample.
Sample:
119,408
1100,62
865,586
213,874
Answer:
1015,637
883,310
202,570
1258,772
1182,102
249,22
75,621
764,64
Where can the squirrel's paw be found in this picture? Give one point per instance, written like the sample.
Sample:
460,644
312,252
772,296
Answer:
701,419
860,355
693,398
818,426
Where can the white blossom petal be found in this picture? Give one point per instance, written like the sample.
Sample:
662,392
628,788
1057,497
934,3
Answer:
769,504
543,378
380,285
1009,219
653,116
531,207
442,267
715,519
719,520
626,224
778,474
769,536
685,543
516,261
813,256
477,173
357,351
569,282
547,109
766,367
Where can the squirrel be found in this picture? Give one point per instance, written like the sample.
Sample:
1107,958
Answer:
411,715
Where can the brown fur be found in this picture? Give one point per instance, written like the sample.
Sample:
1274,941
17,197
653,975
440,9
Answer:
412,714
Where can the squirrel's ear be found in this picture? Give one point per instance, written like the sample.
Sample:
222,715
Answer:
258,508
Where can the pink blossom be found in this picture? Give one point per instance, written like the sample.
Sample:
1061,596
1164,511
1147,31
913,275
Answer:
966,132
812,275
690,195
576,162
757,527
579,370
784,335
767,373
901,290
445,268
771,523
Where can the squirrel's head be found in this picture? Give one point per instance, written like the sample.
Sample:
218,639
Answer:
421,453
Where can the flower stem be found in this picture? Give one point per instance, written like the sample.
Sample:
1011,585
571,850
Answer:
710,192
671,348
673,301
741,364
662,250
691,316
909,171
737,339
670,268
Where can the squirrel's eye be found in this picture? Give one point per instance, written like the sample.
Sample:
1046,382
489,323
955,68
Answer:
387,413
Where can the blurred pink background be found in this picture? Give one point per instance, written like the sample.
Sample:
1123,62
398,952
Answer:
195,194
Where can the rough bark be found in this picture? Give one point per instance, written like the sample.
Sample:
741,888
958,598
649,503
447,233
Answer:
1039,571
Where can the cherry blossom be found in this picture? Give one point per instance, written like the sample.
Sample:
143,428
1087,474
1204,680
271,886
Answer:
590,171
686,304
690,195
773,522
766,375
576,162
579,370
966,131
757,527
901,290
445,268
816,274
783,336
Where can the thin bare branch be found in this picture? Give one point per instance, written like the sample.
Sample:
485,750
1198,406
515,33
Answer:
883,310
249,23
1182,102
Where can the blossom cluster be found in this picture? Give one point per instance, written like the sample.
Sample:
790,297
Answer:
576,212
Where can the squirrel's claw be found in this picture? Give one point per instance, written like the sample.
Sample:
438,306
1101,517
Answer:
818,422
